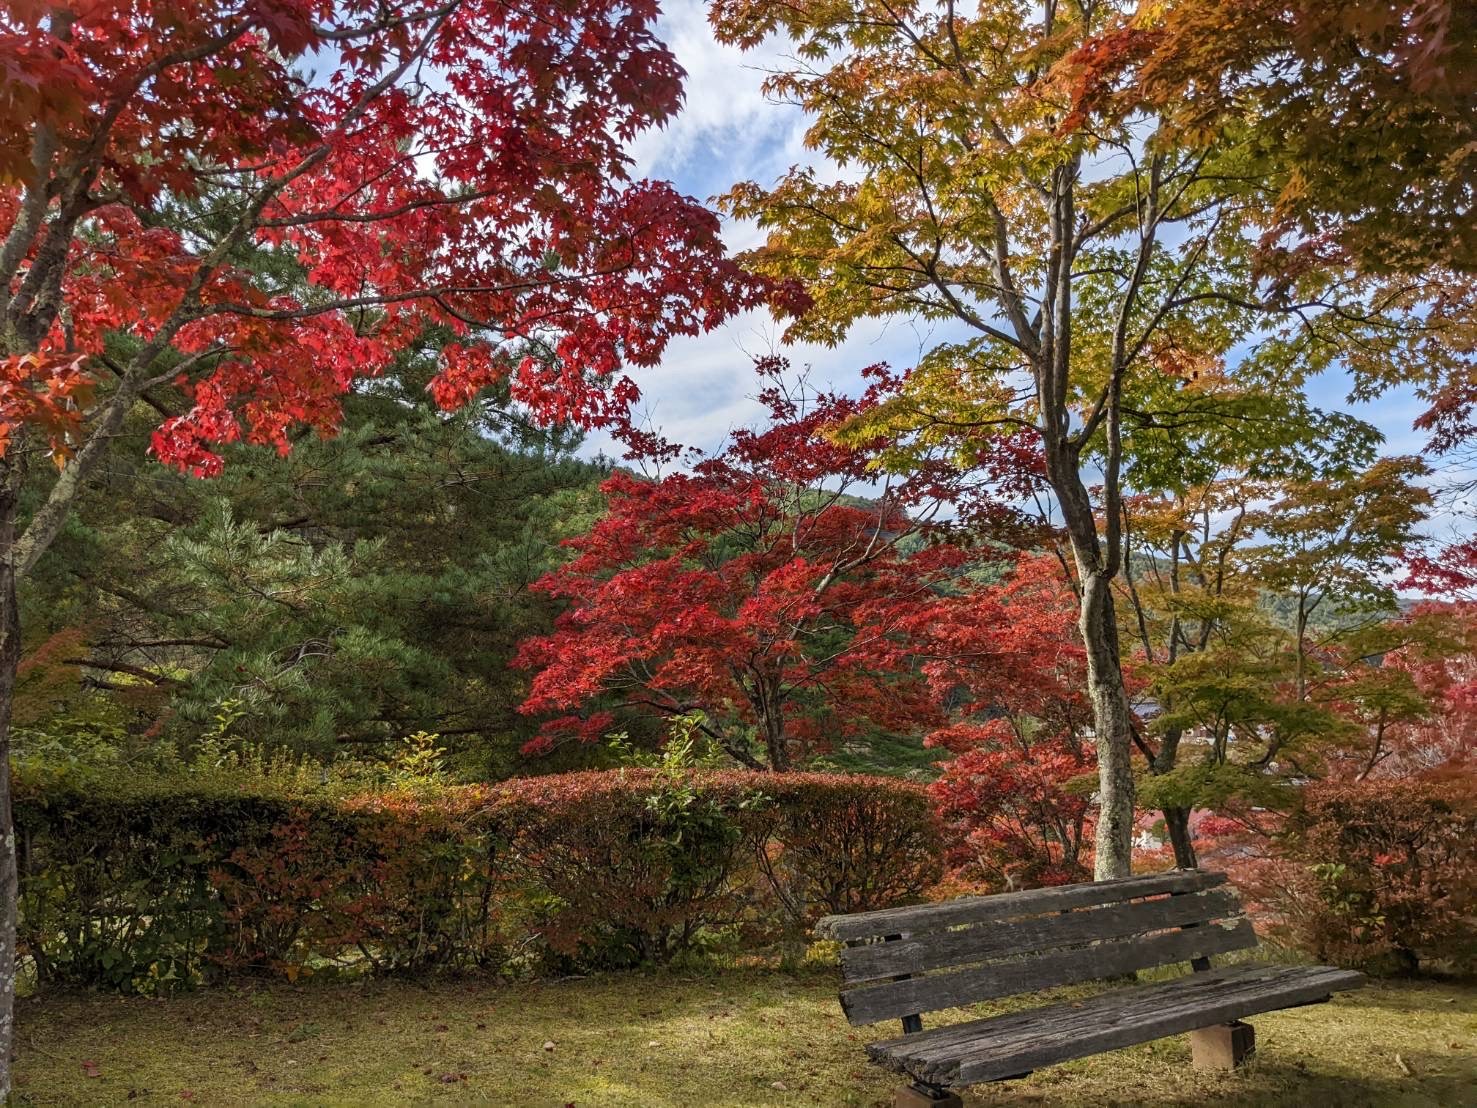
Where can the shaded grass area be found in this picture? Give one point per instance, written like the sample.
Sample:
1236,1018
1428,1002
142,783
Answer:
747,1037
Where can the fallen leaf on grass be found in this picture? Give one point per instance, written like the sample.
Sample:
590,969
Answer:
90,1068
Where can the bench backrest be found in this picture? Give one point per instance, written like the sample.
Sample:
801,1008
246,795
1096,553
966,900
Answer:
903,961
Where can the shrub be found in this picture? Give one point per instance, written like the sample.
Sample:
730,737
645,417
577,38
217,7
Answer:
150,887
847,844
627,867
116,886
396,880
1380,874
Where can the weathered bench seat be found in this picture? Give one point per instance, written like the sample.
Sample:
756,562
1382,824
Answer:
1012,1045
902,962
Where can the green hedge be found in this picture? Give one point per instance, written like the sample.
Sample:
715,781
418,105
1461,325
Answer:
145,887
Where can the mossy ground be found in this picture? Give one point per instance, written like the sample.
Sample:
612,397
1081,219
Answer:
745,1037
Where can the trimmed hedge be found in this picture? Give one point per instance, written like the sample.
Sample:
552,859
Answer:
148,887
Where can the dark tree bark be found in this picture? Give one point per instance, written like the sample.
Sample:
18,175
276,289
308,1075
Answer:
1177,823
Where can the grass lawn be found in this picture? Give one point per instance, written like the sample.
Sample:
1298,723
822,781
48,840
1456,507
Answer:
731,1038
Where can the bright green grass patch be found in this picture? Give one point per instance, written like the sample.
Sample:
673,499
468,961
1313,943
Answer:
732,1038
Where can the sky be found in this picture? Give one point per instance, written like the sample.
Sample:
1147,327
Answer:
728,131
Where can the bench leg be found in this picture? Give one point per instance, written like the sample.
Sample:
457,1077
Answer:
919,1095
1222,1047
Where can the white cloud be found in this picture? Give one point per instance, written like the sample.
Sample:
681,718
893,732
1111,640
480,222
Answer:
705,386
727,129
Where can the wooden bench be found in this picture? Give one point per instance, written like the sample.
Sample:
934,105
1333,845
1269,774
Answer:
902,962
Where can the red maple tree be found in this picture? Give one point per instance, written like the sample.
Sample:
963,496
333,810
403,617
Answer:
233,209
1018,733
762,591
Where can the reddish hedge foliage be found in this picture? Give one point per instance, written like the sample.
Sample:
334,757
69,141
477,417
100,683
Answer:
836,850
144,888
1380,874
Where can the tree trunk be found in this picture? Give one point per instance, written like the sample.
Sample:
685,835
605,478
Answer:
1097,622
1177,823
18,553
9,662
1176,820
775,740
763,690
1112,729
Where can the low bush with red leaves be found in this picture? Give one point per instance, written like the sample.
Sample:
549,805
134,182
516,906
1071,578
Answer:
1379,874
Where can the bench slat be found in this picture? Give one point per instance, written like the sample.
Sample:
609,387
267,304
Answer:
1000,1032
1004,1046
983,909
1040,934
871,1003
